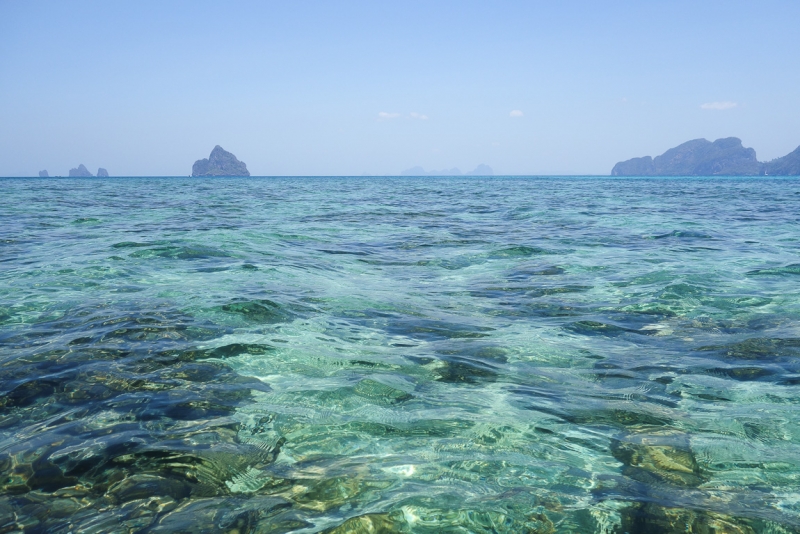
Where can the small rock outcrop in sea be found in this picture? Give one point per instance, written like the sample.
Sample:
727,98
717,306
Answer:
102,173
220,163
80,172
43,174
700,157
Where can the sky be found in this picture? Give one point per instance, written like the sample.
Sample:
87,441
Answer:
145,88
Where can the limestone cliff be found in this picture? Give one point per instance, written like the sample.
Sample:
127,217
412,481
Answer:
698,157
788,165
80,172
219,163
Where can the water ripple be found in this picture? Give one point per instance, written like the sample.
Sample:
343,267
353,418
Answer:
399,355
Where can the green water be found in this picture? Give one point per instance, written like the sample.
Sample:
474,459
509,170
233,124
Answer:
400,355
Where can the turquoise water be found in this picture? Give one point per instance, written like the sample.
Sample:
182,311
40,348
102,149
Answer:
400,355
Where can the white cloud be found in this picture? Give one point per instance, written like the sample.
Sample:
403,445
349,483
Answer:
386,116
515,113
720,106
420,116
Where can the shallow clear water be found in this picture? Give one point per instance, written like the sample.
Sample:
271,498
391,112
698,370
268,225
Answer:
400,355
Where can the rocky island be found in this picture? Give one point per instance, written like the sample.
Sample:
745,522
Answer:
700,157
80,172
102,173
43,174
788,165
220,163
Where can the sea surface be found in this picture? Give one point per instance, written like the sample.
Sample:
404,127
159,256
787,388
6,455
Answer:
365,355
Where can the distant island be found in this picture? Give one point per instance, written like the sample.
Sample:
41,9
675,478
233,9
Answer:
80,172
43,174
220,163
700,157
480,170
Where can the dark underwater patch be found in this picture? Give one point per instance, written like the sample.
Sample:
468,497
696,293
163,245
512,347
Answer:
743,374
685,234
238,349
432,330
124,412
662,457
791,269
758,348
261,311
136,244
542,271
454,368
526,292
345,252
595,328
197,252
652,518
518,251
380,393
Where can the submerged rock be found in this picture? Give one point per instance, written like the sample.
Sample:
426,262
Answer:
595,328
651,518
133,416
102,173
380,393
758,349
370,524
660,456
43,174
221,514
80,172
257,311
195,252
220,163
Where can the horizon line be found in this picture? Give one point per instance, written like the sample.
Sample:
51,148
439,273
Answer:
395,176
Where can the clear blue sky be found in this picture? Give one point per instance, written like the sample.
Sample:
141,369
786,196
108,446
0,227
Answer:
310,88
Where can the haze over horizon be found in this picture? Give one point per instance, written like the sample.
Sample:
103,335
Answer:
351,88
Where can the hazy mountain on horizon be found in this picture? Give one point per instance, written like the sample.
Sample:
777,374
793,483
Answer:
480,170
701,157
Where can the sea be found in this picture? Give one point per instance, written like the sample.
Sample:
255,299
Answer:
386,354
